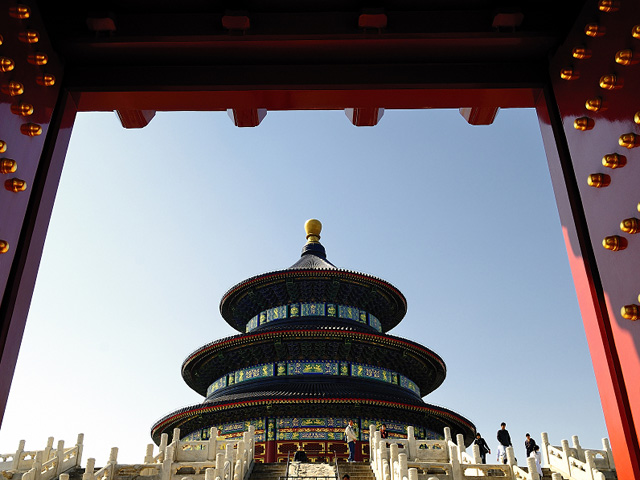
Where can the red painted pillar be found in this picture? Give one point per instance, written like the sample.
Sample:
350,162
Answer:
36,118
270,444
587,122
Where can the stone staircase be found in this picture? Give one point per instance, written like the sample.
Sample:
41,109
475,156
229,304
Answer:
362,471
356,470
268,471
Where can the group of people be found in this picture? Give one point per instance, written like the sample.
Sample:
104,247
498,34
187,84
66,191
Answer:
504,441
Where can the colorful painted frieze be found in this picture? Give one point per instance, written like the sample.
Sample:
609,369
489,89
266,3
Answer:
408,384
350,313
317,368
217,385
375,373
312,309
375,323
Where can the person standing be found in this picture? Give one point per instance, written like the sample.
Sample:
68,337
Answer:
350,437
529,444
383,431
483,447
504,440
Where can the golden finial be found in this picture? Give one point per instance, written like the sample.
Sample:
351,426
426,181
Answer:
313,228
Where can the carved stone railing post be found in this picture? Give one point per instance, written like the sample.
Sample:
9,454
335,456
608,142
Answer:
591,464
167,463
60,457
545,448
230,457
579,450
386,470
476,453
607,448
210,474
175,441
148,457
164,440
402,463
239,460
237,470
411,443
212,447
533,471
461,448
252,442
511,458
567,454
454,457
375,452
80,446
381,456
219,465
88,471
372,431
447,436
37,465
393,459
18,456
46,454
413,474
556,476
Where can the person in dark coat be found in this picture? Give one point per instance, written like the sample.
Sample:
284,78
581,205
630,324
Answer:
529,444
384,433
482,446
504,439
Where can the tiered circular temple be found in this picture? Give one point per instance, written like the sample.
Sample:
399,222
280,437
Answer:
314,354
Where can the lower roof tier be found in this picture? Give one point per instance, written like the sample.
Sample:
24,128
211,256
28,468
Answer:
202,416
406,358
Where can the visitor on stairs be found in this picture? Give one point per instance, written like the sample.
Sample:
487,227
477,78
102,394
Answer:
504,441
350,437
483,447
529,444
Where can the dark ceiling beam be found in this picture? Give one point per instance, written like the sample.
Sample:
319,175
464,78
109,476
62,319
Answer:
305,87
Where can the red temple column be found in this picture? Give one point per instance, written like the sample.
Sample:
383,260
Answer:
270,443
589,121
36,118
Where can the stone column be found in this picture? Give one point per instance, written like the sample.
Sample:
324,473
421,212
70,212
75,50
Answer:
455,461
567,453
607,448
533,471
411,442
80,447
545,448
476,454
579,450
212,447
18,455
88,471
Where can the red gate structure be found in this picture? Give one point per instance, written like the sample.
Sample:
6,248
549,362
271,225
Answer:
575,61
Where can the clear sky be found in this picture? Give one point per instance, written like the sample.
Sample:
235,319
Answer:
152,226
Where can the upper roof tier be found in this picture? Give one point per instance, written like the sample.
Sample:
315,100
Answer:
312,279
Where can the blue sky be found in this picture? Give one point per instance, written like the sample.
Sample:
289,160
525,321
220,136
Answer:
152,226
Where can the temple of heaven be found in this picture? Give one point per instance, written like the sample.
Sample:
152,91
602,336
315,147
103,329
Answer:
312,354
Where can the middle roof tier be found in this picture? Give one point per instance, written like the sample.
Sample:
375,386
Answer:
279,347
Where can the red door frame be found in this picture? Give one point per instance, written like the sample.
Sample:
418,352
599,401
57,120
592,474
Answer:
575,139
